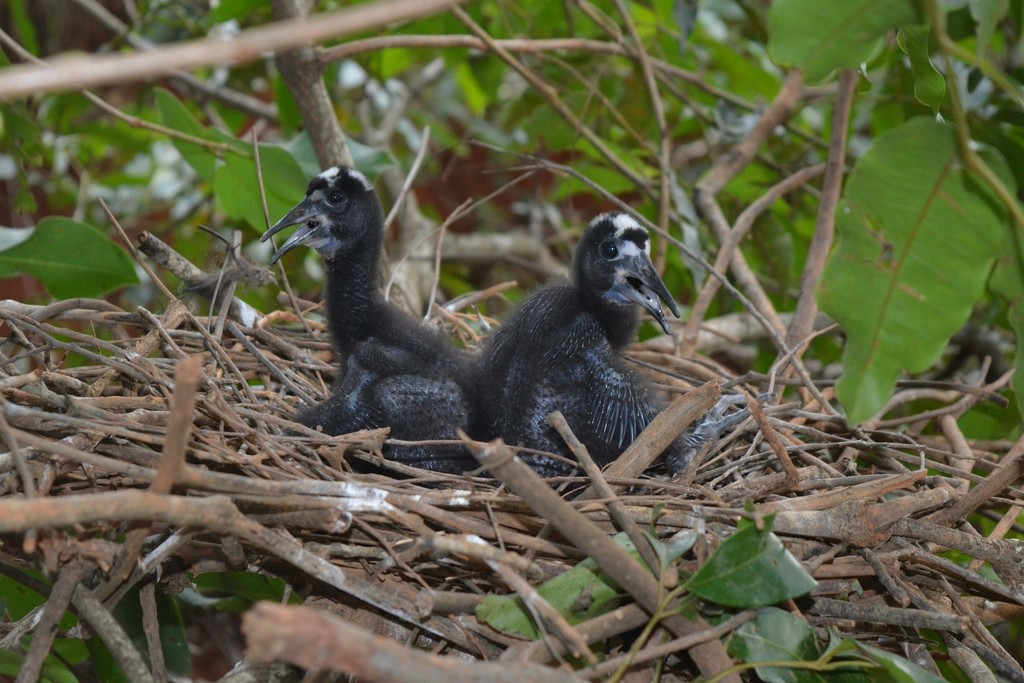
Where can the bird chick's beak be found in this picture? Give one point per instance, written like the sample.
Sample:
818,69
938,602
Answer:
311,228
638,281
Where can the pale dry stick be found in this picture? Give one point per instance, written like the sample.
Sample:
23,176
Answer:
273,240
151,629
172,462
219,515
971,396
469,246
664,148
216,349
1003,526
133,121
436,280
774,442
313,639
727,249
410,178
73,72
602,490
551,95
730,164
28,484
103,623
227,296
965,458
68,578
725,169
232,98
825,223
400,199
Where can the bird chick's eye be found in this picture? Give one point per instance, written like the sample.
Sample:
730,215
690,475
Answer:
336,198
609,250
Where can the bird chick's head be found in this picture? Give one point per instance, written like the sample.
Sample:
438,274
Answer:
613,260
339,210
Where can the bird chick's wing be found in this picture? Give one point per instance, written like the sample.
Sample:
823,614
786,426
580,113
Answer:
620,402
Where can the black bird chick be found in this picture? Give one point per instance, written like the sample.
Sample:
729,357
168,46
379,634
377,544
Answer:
562,350
395,371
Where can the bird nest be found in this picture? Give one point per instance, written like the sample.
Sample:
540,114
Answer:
148,449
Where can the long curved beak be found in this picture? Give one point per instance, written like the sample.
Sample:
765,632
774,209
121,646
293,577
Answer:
638,281
308,217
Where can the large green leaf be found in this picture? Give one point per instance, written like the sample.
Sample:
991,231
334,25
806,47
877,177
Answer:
236,186
751,569
176,115
917,238
71,259
820,36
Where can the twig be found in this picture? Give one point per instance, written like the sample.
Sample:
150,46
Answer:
317,640
74,72
824,226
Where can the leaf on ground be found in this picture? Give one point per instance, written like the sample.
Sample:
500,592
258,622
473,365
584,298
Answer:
582,593
775,635
917,239
71,259
820,36
899,669
751,569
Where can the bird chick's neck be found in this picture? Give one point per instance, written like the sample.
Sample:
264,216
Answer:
619,322
353,297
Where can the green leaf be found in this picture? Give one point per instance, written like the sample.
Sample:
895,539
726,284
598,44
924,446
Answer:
929,85
820,36
71,259
237,189
582,593
777,636
173,640
24,29
900,669
176,115
917,238
751,569
237,591
476,98
53,671
987,13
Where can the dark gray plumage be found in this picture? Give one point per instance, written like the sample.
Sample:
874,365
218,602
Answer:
561,350
395,371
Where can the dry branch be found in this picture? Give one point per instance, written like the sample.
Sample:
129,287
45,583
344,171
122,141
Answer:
318,641
74,72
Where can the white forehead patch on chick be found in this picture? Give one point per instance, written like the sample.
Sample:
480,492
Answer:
356,175
330,174
631,233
